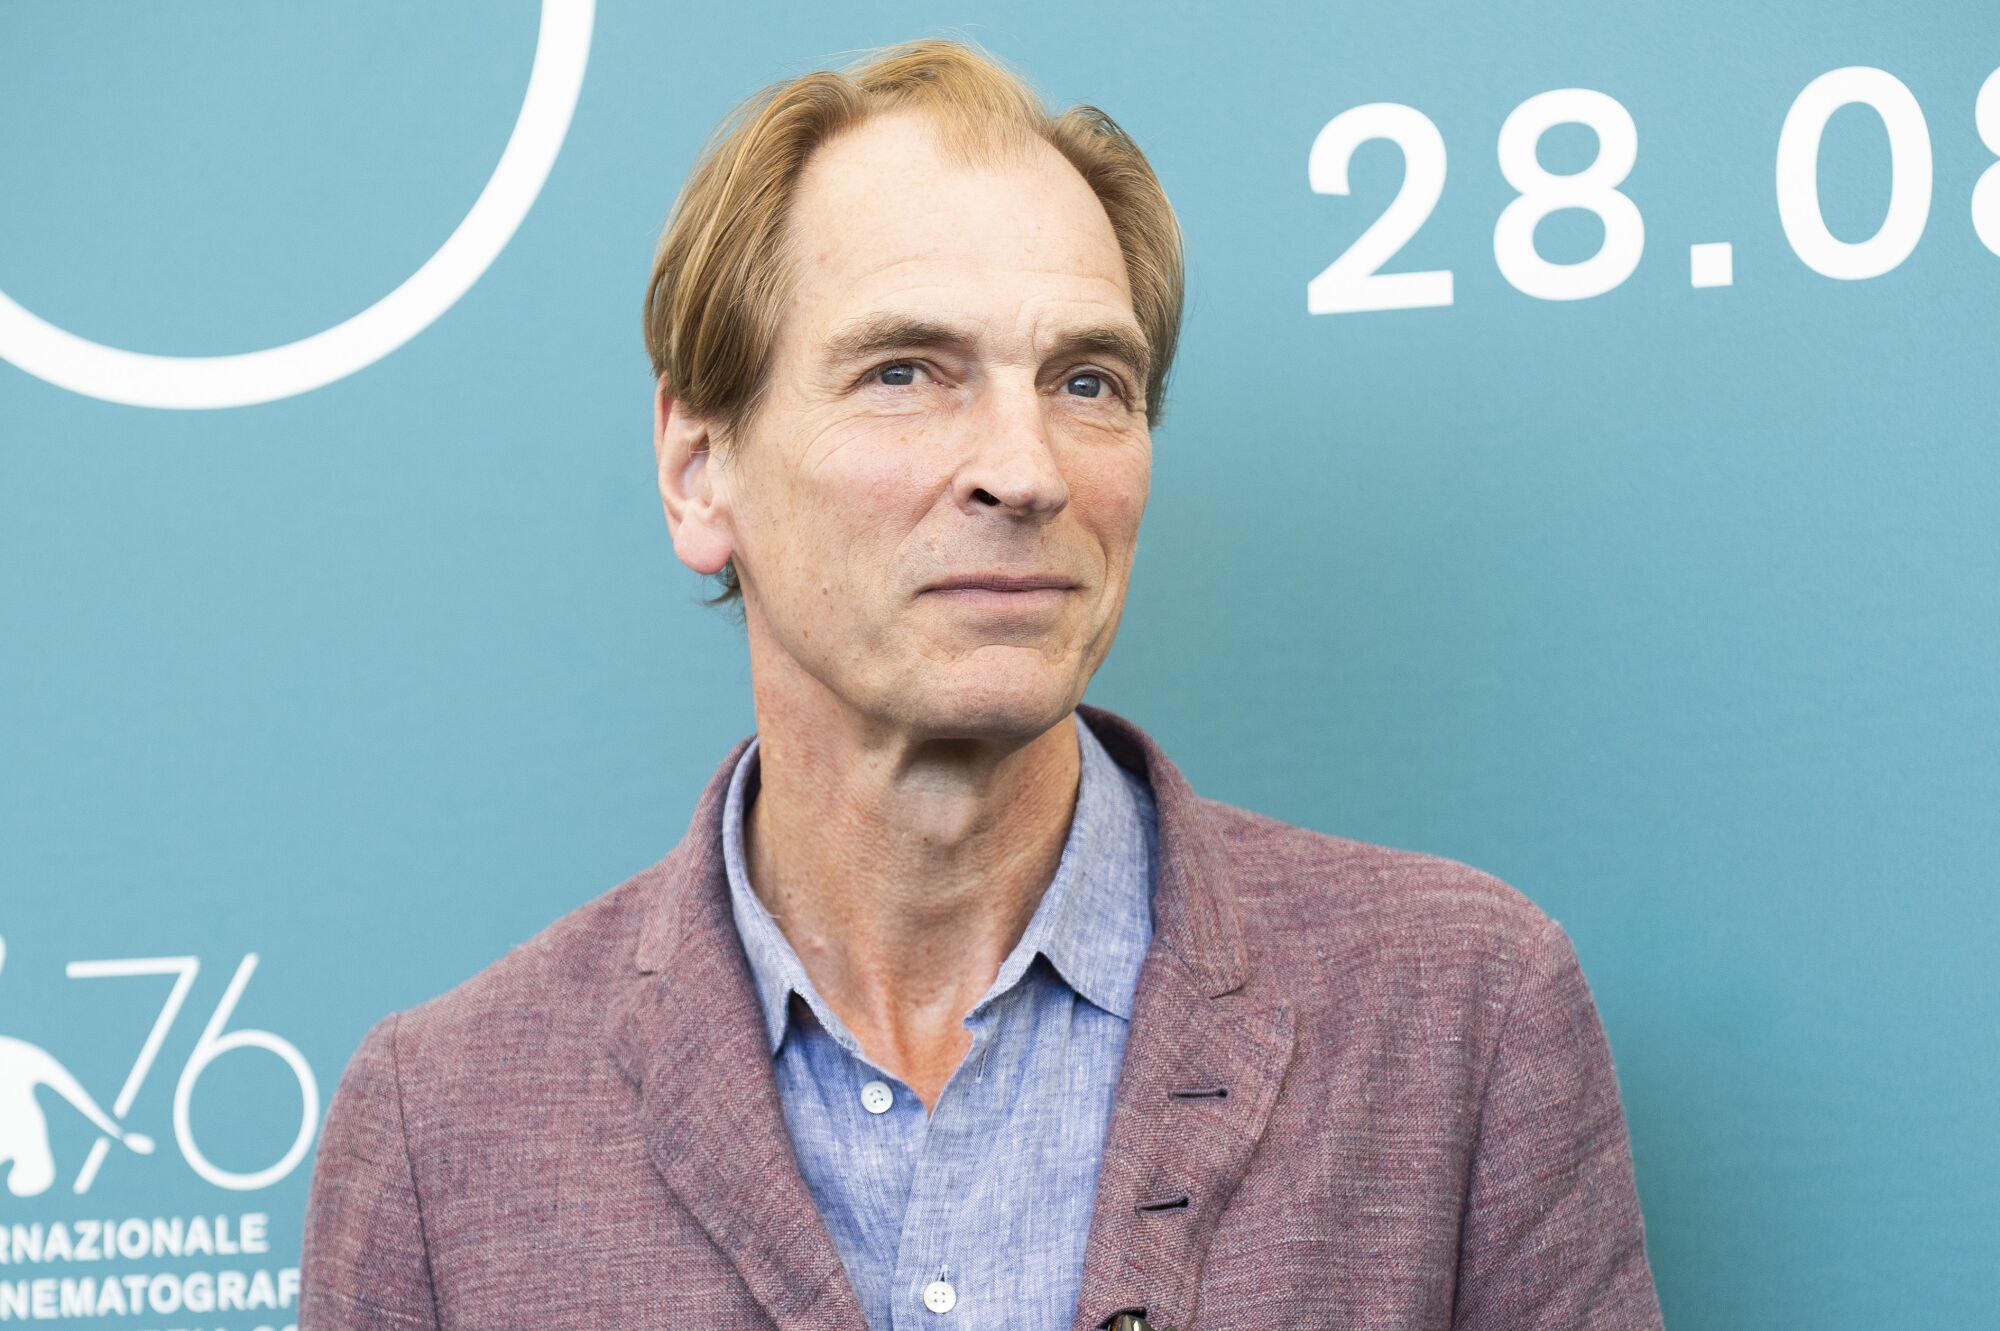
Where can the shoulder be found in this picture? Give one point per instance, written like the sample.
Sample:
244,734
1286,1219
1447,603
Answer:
1356,913
546,993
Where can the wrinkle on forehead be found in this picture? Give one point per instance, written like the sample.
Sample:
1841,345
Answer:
919,287
839,208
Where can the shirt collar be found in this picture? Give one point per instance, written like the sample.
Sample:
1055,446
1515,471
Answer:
1094,922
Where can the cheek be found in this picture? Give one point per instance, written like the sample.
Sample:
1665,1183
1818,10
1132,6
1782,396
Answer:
1111,491
864,487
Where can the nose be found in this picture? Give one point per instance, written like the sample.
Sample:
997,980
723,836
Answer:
1012,466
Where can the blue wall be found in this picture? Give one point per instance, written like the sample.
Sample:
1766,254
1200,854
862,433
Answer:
1673,605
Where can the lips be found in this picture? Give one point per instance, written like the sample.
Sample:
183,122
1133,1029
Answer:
1003,582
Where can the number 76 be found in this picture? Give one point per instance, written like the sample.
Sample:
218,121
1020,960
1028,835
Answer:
211,1046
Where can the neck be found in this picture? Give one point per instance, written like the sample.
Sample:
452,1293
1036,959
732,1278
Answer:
903,868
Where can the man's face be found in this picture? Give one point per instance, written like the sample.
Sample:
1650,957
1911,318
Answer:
957,389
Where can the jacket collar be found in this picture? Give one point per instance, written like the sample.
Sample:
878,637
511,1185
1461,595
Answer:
1203,1062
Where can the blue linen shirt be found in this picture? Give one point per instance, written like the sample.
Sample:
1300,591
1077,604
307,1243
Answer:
975,1215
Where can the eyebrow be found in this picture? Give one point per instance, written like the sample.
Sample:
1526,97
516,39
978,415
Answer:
874,334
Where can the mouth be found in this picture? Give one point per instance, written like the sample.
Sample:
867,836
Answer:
1004,583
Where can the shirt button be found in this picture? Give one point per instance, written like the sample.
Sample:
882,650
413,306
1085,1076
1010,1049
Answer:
876,1097
940,1297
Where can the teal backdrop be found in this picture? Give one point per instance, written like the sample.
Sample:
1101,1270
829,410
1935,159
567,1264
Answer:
1670,602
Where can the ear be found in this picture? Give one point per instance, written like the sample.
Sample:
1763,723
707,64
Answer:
696,515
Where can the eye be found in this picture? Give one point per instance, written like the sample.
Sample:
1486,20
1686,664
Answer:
906,369
1092,384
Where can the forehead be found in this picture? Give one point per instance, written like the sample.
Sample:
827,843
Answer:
882,216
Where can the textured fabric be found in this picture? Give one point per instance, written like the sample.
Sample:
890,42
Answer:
1363,1088
990,1192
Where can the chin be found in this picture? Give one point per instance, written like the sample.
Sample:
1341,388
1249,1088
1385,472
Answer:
992,701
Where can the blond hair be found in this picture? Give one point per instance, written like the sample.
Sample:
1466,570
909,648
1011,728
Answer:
720,276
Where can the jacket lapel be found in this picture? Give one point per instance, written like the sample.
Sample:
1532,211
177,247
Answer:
1204,1058
1203,1062
689,1034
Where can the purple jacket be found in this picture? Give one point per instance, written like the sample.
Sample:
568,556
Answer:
1363,1088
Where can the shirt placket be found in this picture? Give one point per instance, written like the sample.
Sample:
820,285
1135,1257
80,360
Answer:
939,1286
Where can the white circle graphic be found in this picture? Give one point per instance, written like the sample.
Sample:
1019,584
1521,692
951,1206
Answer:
562,47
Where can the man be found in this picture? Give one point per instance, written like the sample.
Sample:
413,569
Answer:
956,1006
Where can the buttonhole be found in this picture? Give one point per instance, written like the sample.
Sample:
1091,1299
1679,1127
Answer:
1202,1093
1173,1201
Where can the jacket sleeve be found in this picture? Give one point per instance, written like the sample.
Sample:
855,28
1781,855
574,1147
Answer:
1552,1238
363,1263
